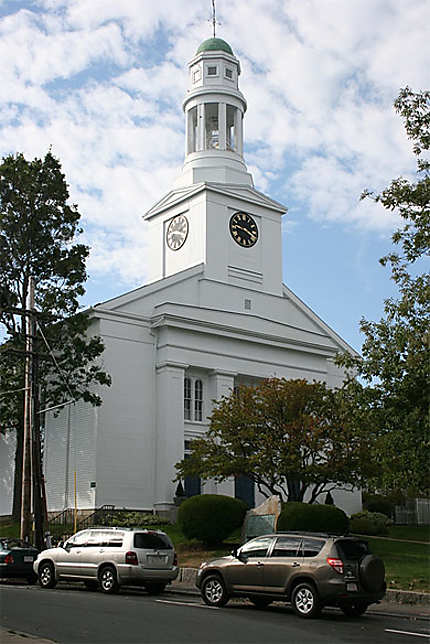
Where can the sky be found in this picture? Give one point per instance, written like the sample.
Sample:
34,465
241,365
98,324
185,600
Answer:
102,82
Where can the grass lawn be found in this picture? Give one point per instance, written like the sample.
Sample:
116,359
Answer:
407,565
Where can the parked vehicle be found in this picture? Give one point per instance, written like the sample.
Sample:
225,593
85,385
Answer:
16,559
310,570
108,558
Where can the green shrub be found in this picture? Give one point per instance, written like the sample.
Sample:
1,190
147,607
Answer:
378,503
370,523
129,519
312,518
210,518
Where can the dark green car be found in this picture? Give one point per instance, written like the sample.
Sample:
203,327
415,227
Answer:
16,559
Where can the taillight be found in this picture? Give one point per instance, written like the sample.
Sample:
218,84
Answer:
337,564
175,559
9,559
131,558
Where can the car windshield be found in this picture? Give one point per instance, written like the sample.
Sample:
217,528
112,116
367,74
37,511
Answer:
152,541
352,550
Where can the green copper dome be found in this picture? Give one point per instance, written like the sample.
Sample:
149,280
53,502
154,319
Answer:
215,44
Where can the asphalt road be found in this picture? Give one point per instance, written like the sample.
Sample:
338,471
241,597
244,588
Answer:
71,615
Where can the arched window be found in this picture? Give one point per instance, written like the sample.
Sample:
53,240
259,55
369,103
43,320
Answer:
187,398
193,399
198,400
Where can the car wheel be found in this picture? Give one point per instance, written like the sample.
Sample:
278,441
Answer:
46,574
108,581
155,589
213,591
354,609
91,585
372,573
305,600
260,602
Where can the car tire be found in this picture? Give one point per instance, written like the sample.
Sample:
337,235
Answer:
46,574
213,591
260,602
305,600
155,589
108,581
372,573
354,609
91,585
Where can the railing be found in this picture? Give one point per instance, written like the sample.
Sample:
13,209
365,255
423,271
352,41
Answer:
63,519
414,512
97,517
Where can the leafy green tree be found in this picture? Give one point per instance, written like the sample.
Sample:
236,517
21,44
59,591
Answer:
38,231
395,354
290,437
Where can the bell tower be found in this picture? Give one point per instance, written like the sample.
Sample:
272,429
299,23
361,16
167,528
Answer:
214,109
213,216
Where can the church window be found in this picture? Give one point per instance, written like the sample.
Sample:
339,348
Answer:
198,400
229,73
247,304
197,74
231,130
187,398
212,70
211,126
193,399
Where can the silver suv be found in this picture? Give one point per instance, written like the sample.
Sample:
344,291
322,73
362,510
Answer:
310,570
108,558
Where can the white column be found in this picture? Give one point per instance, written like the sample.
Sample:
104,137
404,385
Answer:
221,383
238,126
200,127
169,430
188,130
222,125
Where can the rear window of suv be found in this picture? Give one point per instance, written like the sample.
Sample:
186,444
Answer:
352,550
152,541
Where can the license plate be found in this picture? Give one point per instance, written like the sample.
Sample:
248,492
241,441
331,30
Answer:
352,587
28,559
157,559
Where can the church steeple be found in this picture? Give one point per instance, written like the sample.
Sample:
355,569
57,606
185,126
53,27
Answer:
214,108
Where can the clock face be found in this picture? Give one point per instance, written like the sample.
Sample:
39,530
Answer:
243,229
177,232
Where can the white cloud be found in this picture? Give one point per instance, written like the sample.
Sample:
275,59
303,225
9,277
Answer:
103,82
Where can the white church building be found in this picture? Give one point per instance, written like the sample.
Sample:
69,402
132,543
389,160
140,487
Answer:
214,314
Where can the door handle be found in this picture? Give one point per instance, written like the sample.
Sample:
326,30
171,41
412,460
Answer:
295,564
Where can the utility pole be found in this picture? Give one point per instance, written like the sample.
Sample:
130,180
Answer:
28,418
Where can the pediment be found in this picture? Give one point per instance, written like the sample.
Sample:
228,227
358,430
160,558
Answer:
246,193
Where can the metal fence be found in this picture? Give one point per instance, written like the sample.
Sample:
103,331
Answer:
414,512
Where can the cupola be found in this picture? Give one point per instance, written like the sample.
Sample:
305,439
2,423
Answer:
214,109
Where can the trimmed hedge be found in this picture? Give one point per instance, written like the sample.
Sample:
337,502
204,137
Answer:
378,503
370,523
312,518
210,518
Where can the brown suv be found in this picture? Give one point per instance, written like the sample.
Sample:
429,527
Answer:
310,570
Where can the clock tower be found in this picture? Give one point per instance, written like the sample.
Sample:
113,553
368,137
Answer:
213,215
